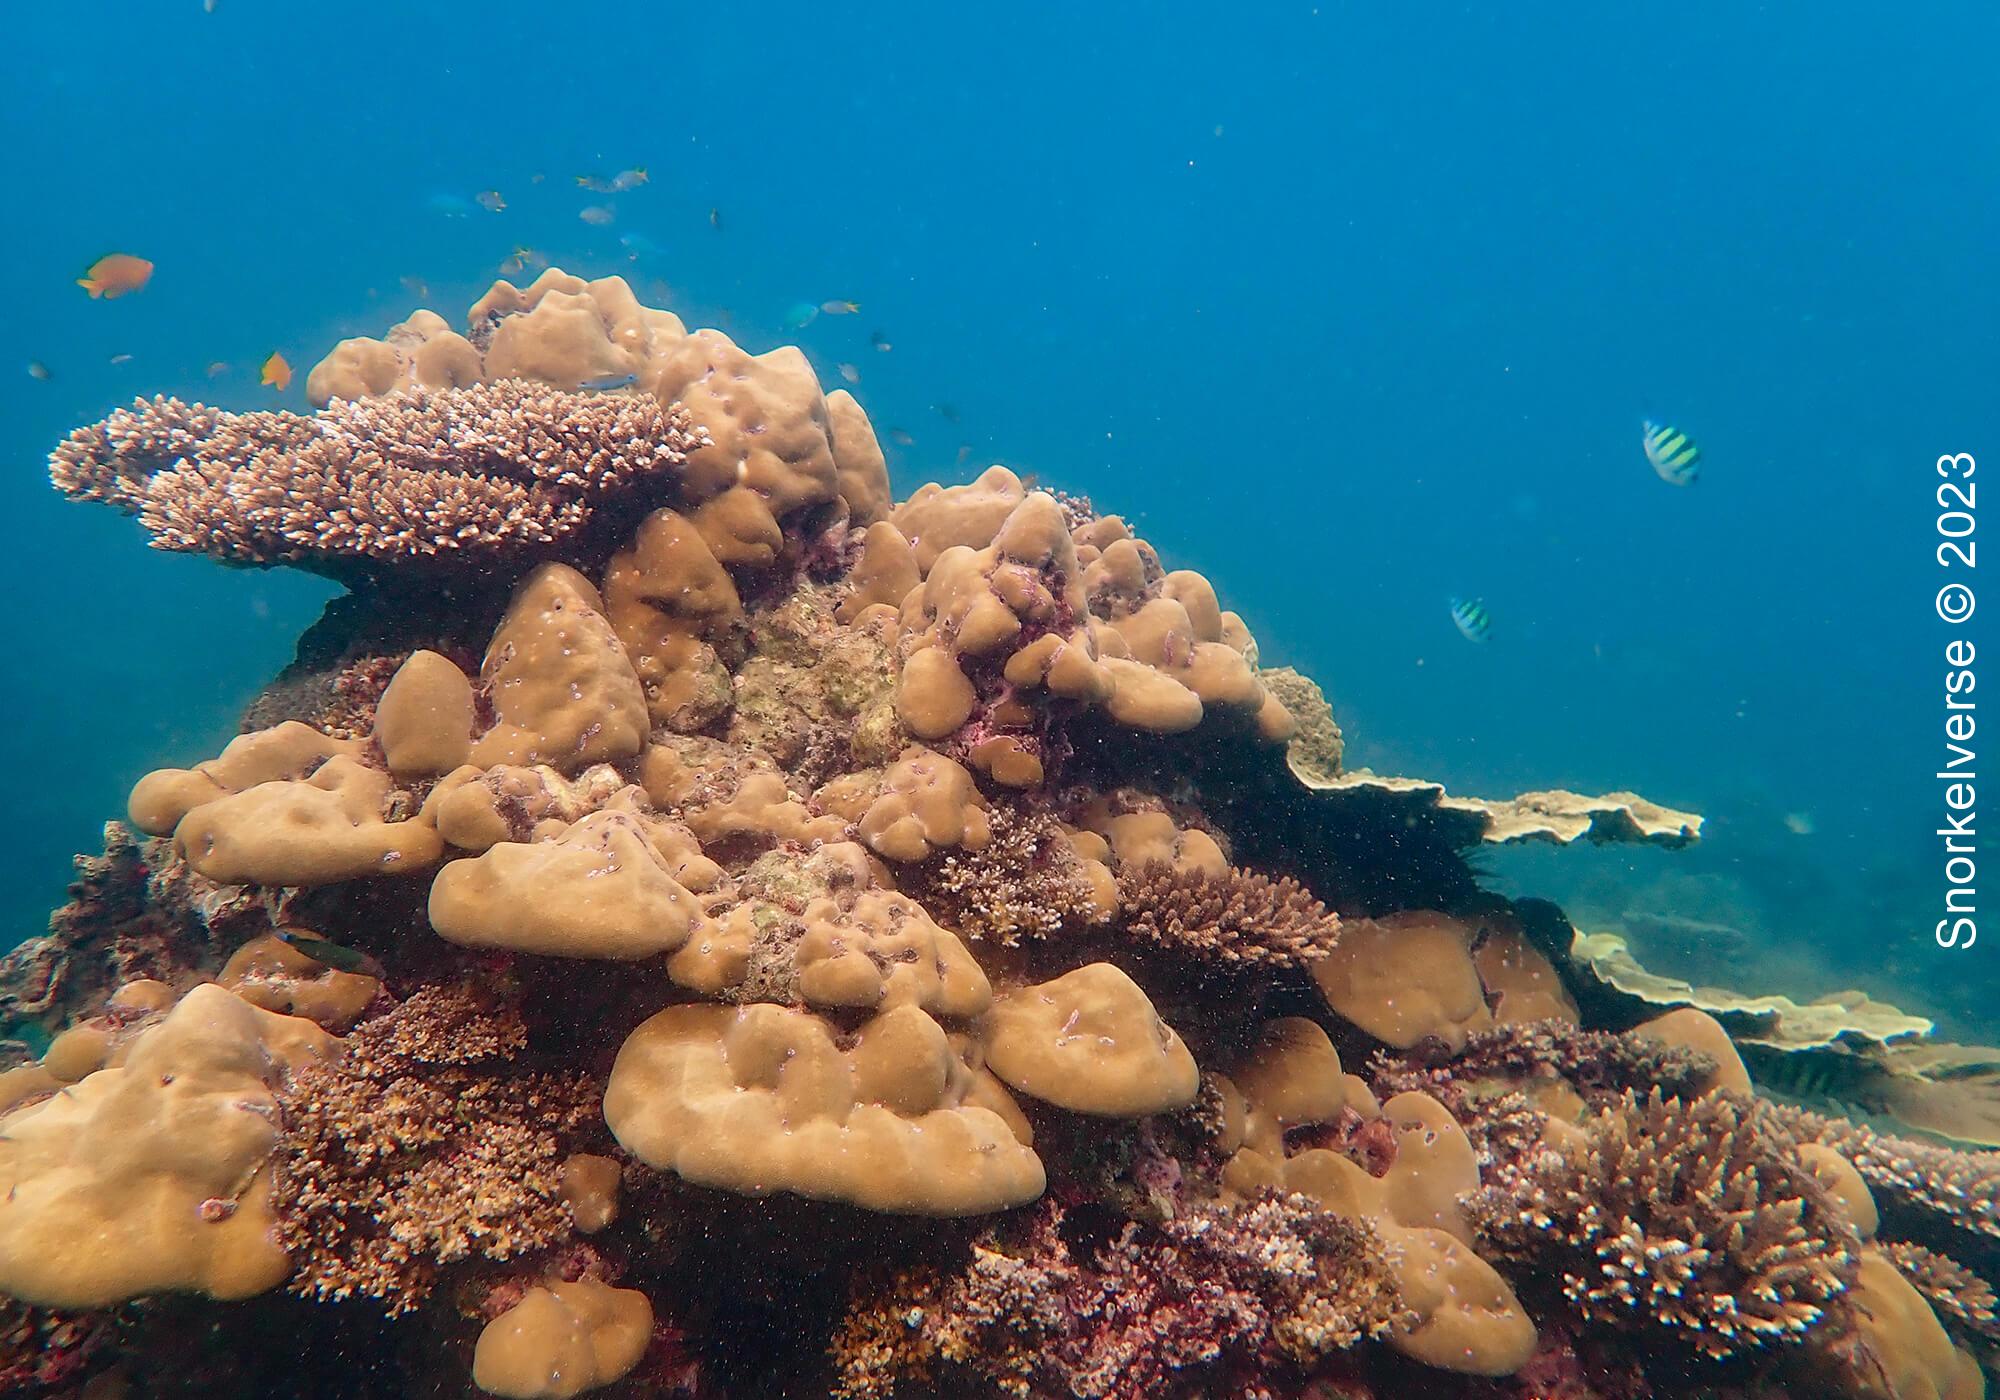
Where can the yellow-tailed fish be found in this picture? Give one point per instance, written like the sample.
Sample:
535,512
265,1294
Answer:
840,308
1673,454
1473,621
628,179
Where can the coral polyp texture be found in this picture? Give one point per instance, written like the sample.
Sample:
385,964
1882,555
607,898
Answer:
690,922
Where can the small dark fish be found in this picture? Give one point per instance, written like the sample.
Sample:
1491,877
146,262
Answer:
597,215
333,955
901,438
880,340
715,219
1473,620
949,412
490,201
37,370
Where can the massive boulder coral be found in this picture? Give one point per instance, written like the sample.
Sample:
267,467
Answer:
150,1174
688,922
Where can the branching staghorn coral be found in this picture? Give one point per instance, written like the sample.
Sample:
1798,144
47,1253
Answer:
1963,1301
1942,1197
421,1146
1238,918
1188,1308
1592,1062
508,468
1689,1223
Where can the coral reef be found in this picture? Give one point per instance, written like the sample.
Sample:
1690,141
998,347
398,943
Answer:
690,922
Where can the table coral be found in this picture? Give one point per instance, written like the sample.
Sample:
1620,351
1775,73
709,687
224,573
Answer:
507,468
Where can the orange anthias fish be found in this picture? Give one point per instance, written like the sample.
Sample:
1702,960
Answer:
116,274
277,373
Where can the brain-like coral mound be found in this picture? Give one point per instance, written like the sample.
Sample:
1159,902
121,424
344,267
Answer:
762,1099
690,923
562,1340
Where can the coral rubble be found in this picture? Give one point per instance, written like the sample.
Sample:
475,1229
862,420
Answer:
691,923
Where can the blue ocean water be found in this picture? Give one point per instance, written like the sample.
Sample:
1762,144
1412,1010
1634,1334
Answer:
1354,308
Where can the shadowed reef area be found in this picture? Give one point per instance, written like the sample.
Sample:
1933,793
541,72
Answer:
691,923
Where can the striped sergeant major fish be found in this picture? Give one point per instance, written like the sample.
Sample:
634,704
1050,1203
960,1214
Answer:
1673,454
1474,622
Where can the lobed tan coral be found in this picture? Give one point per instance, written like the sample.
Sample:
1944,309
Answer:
762,1098
158,1160
1405,978
1090,1041
1463,1317
562,1340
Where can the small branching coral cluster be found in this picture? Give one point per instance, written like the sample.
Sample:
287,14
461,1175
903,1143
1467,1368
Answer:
1687,1223
1186,1308
420,1146
1241,917
1027,882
